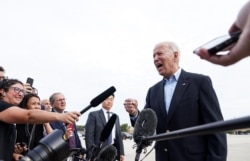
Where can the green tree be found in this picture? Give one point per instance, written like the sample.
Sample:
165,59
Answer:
80,127
124,127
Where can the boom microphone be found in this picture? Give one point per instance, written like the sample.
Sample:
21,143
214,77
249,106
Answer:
145,126
210,128
99,99
108,153
108,128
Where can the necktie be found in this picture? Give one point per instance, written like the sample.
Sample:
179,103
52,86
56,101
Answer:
72,141
110,136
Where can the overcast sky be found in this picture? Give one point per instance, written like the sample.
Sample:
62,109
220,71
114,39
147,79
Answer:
82,47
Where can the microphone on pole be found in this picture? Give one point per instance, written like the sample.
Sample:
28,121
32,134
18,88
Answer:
210,128
99,99
147,121
145,126
108,128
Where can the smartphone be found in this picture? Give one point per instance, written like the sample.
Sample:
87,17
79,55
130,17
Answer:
222,43
30,81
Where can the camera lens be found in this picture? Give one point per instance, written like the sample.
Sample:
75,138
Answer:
51,148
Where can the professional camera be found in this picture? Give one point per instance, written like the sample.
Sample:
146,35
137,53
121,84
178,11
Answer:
51,148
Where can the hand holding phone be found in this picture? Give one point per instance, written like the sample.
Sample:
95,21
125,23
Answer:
222,43
30,81
28,86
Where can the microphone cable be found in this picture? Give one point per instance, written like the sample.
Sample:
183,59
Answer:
148,153
145,150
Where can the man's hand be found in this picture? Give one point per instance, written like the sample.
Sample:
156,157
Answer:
131,106
69,117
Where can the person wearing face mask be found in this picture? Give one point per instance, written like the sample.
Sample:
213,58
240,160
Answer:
11,94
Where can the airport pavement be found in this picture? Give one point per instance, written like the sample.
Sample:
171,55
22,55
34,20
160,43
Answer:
238,149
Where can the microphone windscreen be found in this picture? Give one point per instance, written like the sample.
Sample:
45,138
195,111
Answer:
108,153
108,128
145,124
101,97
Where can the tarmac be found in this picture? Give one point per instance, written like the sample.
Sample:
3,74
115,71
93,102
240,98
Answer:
238,149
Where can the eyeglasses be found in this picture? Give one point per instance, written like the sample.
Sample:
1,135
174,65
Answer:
18,90
61,100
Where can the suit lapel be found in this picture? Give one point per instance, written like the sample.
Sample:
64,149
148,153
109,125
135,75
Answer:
58,125
161,99
180,89
102,117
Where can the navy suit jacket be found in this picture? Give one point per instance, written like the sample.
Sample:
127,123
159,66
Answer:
60,125
194,102
95,123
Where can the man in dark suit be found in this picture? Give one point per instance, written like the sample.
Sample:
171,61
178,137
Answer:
58,104
96,122
182,100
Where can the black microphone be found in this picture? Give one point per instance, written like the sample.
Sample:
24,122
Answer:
99,99
145,126
208,128
95,149
108,128
77,151
108,153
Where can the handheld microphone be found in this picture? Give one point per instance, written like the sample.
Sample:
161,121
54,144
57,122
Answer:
108,153
145,126
99,99
95,149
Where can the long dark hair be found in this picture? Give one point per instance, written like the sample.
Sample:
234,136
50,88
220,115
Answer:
24,102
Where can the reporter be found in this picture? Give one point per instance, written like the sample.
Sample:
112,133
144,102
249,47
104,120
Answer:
241,49
11,94
31,134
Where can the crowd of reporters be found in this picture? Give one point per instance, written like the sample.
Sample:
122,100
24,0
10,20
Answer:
22,122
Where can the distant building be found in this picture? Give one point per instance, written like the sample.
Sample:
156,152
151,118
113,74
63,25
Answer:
131,130
245,131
